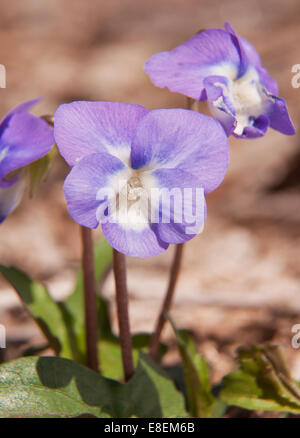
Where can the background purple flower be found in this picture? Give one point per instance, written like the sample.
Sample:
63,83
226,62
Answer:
24,138
131,151
220,66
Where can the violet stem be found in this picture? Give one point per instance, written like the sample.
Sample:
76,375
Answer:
160,323
119,265
90,300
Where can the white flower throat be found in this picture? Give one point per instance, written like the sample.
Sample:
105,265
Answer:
131,204
135,189
247,95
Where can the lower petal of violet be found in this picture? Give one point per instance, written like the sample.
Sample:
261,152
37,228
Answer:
257,129
142,243
180,206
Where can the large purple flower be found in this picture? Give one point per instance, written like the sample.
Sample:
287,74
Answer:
24,138
142,174
220,66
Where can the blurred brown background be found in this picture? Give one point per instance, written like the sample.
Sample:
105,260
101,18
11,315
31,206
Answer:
241,278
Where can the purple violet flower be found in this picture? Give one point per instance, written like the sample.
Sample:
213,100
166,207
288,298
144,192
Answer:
24,138
220,66
141,174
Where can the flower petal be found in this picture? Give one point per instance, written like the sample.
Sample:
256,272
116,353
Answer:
221,107
25,139
257,129
82,185
23,107
184,68
279,117
10,197
244,61
250,54
183,139
142,243
83,128
180,206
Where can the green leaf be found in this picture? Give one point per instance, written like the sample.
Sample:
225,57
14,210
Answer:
111,358
57,387
152,393
141,341
54,387
63,322
201,402
42,308
263,382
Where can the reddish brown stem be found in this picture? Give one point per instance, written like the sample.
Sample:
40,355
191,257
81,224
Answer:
90,301
175,269
119,264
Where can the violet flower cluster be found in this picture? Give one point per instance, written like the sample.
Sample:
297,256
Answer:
144,174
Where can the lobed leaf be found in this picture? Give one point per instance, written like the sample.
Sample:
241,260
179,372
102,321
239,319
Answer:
263,382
